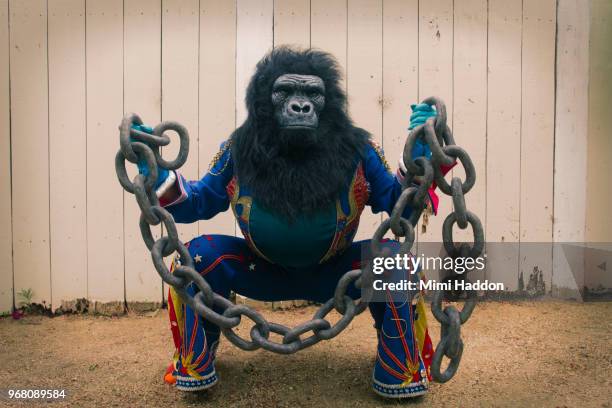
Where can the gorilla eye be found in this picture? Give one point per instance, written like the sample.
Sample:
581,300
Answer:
280,94
313,94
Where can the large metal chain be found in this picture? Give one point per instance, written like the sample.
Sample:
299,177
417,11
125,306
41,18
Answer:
136,145
444,152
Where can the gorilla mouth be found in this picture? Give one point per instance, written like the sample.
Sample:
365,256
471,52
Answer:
301,126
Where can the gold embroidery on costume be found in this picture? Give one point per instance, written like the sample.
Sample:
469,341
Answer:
380,154
233,191
217,157
346,224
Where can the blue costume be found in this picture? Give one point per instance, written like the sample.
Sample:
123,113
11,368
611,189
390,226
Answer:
276,261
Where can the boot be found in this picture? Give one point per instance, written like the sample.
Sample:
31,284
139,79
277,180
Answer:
404,351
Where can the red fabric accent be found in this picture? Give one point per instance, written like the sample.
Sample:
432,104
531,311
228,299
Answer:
166,201
390,370
238,258
168,377
427,353
176,334
231,188
360,189
391,355
433,197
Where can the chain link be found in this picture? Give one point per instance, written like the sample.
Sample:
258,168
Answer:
136,145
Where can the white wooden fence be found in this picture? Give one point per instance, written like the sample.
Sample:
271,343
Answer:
69,69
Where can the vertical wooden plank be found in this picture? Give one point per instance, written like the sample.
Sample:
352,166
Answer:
435,79
364,80
180,72
142,94
537,140
67,151
328,28
254,38
599,165
292,23
470,102
400,73
30,148
503,144
598,231
571,127
217,92
105,252
6,239
436,51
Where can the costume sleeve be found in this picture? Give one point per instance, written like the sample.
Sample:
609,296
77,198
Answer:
385,188
203,199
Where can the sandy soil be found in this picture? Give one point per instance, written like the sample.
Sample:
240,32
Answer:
540,354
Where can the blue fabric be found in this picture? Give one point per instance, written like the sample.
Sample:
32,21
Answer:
399,370
162,174
385,189
229,264
194,367
207,197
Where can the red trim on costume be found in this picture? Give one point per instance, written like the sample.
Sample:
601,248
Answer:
205,366
433,197
390,354
238,258
182,196
399,327
194,333
202,354
176,333
390,370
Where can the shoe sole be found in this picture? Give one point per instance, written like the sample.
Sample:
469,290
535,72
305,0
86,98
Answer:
206,382
388,390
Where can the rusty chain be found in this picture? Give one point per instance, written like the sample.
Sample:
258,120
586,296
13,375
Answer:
135,144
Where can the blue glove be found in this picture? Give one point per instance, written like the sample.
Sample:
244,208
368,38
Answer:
162,174
420,113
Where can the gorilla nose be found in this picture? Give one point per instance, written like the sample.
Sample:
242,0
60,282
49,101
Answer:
301,107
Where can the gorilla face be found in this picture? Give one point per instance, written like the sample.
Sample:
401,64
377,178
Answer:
298,100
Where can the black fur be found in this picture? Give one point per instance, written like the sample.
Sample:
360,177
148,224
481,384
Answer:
289,173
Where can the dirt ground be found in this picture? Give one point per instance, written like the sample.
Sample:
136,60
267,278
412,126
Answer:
540,354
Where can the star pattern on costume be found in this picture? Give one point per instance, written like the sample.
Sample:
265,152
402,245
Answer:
197,258
251,267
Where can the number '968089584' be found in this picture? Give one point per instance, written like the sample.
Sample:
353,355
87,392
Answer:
33,394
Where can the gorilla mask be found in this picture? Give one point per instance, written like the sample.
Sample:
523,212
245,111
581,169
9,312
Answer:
297,149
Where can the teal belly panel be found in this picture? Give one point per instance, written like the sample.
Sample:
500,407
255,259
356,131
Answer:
299,244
